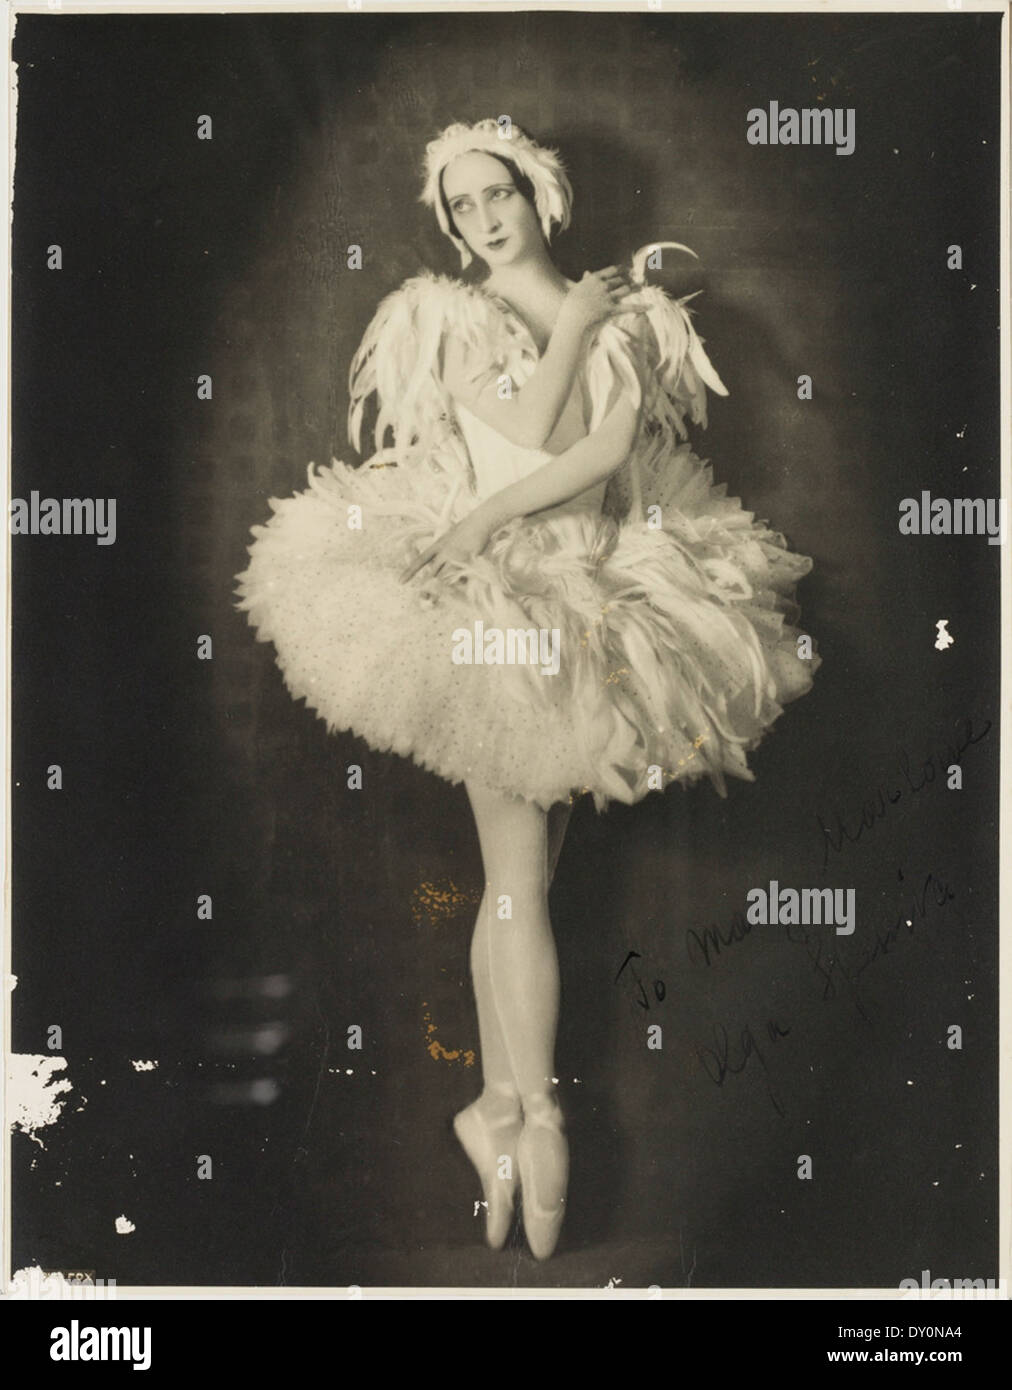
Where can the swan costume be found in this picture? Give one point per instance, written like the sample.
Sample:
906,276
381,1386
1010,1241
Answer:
639,634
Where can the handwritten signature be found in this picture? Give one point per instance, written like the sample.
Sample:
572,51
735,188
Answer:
837,976
730,1057
837,828
659,988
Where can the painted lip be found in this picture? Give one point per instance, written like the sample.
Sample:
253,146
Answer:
495,245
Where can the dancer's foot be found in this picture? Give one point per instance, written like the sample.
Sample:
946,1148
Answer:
488,1131
543,1159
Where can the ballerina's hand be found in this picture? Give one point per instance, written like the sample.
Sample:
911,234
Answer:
461,543
600,295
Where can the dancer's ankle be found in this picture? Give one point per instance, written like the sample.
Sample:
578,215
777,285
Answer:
499,1101
542,1104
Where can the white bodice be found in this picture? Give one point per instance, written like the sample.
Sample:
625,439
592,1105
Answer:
498,462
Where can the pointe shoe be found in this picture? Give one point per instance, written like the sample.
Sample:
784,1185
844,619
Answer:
487,1142
542,1148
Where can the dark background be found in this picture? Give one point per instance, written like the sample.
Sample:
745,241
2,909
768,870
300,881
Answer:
184,777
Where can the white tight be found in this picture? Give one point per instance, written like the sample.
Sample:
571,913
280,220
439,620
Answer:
513,959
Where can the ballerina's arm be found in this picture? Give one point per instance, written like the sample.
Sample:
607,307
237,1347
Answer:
580,467
530,413
586,463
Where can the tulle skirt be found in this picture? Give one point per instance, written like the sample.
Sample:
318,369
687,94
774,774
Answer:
578,653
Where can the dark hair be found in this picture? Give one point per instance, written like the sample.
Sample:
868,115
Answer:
523,184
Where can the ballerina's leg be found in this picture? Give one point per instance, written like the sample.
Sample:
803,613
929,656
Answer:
489,1128
514,935
495,1064
501,1090
501,1094
520,960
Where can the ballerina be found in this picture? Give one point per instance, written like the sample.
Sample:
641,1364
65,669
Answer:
538,479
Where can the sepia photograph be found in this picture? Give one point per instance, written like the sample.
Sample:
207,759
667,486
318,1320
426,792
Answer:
507,509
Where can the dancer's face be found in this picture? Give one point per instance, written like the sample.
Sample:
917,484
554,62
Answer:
494,218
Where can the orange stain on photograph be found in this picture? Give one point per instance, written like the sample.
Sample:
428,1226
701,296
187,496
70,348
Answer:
438,902
605,608
435,1048
671,776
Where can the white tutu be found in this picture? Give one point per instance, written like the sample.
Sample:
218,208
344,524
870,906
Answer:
581,651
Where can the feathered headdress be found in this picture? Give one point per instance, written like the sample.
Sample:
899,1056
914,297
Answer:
553,194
